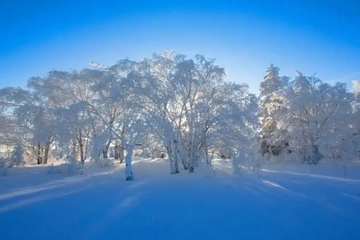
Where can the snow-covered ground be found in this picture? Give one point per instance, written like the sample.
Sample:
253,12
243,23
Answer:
275,203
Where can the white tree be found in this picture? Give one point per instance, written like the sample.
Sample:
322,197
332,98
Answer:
272,142
67,91
17,126
355,116
187,103
317,119
39,119
17,156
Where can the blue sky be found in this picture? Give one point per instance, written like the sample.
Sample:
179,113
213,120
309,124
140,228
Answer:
245,37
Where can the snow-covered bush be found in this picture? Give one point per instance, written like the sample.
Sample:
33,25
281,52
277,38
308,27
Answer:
104,162
4,164
72,167
246,163
205,167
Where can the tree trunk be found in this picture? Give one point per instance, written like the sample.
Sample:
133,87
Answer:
191,159
46,155
122,148
39,158
176,162
122,153
185,163
105,153
173,159
106,150
116,150
176,156
82,155
207,159
128,161
81,147
74,150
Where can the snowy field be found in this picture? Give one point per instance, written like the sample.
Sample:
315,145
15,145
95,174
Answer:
277,203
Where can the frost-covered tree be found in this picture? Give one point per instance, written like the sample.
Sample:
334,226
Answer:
317,119
17,156
355,116
133,136
39,121
65,92
108,107
272,142
188,105
16,127
74,129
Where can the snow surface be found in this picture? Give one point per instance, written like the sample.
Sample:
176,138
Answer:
271,204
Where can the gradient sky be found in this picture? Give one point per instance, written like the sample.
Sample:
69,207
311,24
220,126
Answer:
245,37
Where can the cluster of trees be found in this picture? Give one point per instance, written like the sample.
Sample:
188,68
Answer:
178,106
166,104
306,120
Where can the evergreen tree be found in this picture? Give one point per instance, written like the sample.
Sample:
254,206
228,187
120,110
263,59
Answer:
17,156
271,142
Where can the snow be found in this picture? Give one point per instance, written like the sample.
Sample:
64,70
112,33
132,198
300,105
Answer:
274,203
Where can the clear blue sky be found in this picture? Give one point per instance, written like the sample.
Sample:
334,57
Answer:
315,36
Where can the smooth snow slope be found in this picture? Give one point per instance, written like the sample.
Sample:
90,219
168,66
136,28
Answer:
158,205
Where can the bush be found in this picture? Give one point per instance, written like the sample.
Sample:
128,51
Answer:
72,167
245,163
104,162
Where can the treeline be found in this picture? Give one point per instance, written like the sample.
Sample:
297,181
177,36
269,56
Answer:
178,106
